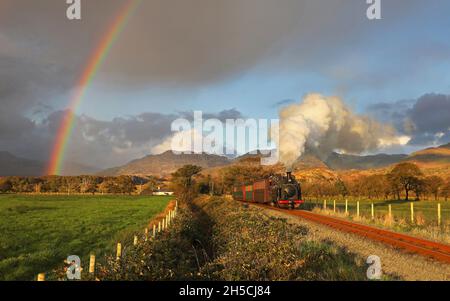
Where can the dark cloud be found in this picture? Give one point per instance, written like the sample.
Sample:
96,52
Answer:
429,119
222,116
394,113
426,119
180,43
166,42
26,85
191,41
431,113
99,143
283,102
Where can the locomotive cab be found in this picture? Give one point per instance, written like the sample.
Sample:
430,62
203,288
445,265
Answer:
291,194
286,191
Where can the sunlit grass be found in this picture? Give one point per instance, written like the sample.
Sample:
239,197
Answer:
39,232
400,208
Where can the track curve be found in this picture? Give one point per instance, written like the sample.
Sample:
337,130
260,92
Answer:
408,243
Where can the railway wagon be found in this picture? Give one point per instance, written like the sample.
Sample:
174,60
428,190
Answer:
277,191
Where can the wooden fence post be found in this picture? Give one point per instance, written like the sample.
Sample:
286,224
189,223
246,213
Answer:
135,241
154,230
41,277
357,209
346,206
324,204
92,264
412,212
159,226
146,233
119,251
390,212
372,211
163,224
439,214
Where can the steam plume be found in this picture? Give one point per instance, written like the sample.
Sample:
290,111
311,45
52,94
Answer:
324,124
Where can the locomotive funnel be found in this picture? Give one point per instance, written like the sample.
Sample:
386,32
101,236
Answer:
289,175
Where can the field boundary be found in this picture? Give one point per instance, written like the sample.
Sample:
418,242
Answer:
158,224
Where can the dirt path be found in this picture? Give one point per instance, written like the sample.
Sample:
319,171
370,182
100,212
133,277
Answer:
394,262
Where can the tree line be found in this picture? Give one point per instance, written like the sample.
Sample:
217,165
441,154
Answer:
402,182
80,184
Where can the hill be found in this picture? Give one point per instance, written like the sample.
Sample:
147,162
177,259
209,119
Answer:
165,163
433,155
344,162
11,165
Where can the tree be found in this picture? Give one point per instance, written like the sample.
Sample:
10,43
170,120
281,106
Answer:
419,187
341,188
241,174
405,175
106,186
150,186
124,184
5,185
71,184
204,185
88,184
183,183
446,190
433,185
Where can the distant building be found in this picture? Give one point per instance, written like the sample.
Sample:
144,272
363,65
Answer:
162,191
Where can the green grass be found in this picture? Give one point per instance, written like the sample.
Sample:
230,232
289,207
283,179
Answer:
37,233
400,209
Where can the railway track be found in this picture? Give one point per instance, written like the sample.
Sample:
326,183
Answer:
408,243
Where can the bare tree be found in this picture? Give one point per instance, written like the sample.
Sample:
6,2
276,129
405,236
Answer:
434,184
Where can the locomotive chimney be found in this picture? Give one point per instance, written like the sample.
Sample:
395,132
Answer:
289,175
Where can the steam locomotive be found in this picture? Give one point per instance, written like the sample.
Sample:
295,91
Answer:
277,190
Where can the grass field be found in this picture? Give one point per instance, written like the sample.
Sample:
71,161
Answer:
39,232
400,209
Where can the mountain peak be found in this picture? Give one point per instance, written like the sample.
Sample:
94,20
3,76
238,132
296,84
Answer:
166,163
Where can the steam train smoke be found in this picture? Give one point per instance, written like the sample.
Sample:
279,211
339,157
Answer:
323,124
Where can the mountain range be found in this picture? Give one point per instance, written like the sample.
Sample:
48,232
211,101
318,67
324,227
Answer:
11,165
166,163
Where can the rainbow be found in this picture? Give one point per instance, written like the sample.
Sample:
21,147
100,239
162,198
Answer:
67,123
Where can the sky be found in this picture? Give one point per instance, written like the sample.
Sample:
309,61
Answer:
234,58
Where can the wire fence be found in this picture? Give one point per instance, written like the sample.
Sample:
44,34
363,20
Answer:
414,212
149,233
